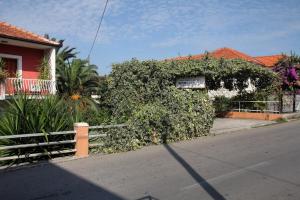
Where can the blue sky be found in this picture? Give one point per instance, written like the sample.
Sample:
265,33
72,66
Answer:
158,29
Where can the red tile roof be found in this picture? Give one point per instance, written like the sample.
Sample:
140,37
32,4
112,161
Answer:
13,32
269,61
228,53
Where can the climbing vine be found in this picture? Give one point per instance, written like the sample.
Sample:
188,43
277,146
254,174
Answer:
143,94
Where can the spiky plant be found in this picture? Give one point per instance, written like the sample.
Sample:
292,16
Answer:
24,115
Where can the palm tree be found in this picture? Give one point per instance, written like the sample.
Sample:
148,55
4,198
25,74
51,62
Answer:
77,78
65,55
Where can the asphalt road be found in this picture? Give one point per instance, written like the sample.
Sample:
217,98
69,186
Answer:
261,163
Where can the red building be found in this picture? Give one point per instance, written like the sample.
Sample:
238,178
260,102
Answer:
23,53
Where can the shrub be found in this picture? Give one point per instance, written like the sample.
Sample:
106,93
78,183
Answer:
144,96
222,104
117,140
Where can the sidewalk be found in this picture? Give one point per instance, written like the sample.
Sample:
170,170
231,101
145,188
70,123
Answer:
226,125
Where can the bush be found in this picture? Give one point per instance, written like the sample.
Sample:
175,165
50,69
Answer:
183,114
222,104
144,96
117,140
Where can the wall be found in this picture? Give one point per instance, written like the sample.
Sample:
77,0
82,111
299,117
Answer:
31,59
248,115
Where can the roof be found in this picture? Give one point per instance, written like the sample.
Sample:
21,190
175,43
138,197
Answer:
12,32
269,61
228,53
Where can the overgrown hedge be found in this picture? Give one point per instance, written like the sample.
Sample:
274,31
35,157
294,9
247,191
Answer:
143,94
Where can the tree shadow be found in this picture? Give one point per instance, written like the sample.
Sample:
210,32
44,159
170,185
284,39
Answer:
49,182
197,177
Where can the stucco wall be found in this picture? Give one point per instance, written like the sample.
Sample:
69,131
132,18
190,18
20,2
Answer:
31,59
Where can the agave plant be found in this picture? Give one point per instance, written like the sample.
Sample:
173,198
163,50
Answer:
24,115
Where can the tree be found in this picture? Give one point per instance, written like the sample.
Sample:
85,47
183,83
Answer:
65,55
288,69
77,78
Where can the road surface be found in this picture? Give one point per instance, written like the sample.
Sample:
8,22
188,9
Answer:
260,163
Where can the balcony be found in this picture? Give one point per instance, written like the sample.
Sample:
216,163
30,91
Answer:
31,87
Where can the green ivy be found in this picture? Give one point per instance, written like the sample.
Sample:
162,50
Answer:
143,95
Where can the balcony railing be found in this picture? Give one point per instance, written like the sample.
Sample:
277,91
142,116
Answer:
13,86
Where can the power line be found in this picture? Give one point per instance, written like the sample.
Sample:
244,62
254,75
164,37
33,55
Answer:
101,19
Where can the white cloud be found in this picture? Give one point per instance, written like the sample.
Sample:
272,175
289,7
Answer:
162,23
64,17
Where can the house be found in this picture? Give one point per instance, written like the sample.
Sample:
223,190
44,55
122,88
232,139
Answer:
228,53
24,53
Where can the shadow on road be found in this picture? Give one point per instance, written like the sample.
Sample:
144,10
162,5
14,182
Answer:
197,177
148,198
49,182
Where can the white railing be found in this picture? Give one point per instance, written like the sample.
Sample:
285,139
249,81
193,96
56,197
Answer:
15,86
256,106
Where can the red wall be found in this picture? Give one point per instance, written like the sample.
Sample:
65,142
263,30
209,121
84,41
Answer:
31,59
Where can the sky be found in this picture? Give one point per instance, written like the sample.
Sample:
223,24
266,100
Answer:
159,29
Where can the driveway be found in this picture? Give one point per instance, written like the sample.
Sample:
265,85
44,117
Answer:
261,163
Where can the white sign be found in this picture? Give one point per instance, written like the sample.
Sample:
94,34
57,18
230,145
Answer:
191,82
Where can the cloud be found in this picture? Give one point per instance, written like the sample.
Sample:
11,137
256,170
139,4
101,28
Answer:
75,18
161,23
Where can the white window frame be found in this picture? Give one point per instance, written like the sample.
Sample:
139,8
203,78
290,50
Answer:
19,62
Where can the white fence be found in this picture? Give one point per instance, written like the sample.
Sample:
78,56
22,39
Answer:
13,86
256,106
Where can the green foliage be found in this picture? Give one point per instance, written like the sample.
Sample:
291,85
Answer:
77,78
117,140
44,69
3,72
96,116
180,115
133,83
23,116
142,94
222,104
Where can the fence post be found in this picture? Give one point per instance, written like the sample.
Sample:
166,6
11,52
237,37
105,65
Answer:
82,139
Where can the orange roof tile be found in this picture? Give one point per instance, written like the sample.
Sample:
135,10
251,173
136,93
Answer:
269,61
13,32
228,53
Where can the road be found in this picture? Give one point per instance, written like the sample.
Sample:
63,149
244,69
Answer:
260,163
